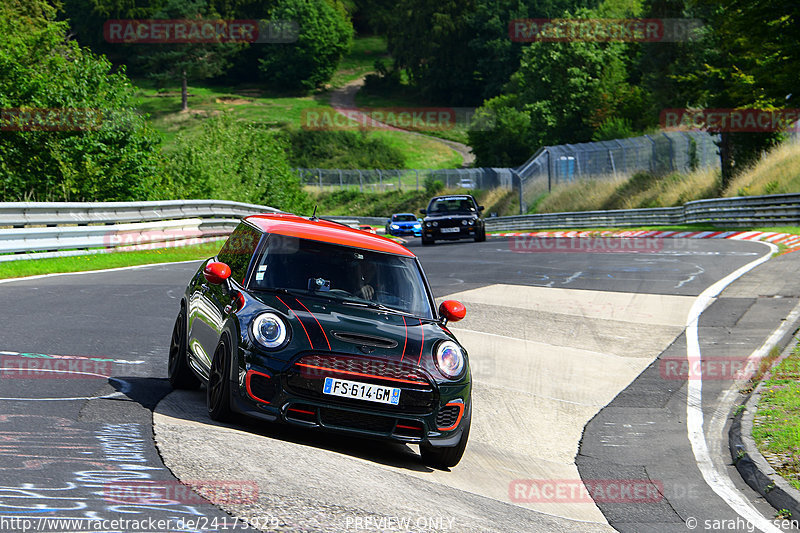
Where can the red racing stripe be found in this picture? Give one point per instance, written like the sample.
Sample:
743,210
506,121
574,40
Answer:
422,343
317,321
405,342
299,320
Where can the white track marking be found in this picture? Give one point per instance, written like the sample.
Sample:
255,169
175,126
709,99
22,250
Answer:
134,267
719,482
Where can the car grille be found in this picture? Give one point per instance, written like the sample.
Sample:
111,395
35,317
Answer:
390,372
449,223
307,376
447,416
361,421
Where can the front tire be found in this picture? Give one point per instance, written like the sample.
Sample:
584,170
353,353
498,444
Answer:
218,390
480,236
179,373
446,457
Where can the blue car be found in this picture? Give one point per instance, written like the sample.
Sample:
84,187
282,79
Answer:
403,224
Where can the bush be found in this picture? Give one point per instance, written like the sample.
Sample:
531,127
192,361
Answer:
114,158
507,143
341,149
433,186
326,34
614,128
232,160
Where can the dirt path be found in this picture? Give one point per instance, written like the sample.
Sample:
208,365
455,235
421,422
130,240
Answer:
345,97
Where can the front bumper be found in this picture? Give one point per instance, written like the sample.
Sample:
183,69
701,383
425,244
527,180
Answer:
464,232
416,232
436,419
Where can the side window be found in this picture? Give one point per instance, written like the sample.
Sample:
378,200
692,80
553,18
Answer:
238,250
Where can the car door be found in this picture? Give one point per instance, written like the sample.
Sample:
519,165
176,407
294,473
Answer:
208,301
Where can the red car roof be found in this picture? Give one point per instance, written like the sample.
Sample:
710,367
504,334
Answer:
325,231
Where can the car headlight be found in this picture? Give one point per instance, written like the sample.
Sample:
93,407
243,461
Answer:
395,226
464,222
269,330
427,224
449,359
417,225
471,222
435,224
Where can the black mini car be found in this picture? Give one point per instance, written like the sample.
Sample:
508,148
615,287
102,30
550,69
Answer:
311,323
452,217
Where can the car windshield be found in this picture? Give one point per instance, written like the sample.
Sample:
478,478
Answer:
351,275
404,218
455,204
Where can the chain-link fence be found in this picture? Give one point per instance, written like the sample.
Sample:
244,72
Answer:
659,153
550,166
376,180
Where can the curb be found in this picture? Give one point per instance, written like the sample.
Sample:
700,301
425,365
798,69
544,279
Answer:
751,465
791,241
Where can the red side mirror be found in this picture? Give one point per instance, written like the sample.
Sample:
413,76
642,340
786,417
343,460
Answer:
452,310
217,273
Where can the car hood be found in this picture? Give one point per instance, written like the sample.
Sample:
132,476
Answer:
327,326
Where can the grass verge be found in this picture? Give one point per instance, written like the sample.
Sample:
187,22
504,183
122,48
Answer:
102,261
776,428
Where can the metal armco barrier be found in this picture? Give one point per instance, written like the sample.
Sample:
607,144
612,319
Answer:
743,212
55,229
51,229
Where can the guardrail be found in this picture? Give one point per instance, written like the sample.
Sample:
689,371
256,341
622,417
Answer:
744,211
53,229
56,229
20,214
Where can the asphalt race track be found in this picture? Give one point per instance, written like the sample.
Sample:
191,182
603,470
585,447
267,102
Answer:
573,358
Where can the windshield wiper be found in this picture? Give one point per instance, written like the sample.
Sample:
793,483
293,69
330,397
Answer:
379,307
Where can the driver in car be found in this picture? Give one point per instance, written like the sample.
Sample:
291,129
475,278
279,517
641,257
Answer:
367,279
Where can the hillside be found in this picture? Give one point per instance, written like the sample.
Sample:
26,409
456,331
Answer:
777,172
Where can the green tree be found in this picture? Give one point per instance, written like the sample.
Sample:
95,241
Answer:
459,52
754,65
185,61
508,142
112,157
565,92
325,35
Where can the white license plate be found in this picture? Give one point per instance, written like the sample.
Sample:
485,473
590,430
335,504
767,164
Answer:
361,391
450,230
